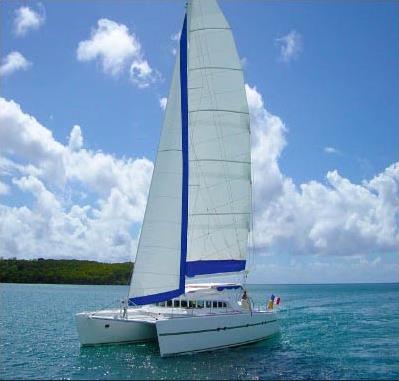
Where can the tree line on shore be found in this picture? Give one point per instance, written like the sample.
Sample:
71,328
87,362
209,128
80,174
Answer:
64,271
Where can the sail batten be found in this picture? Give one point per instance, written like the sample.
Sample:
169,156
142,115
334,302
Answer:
208,28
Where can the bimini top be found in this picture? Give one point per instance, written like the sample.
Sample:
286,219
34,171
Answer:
212,287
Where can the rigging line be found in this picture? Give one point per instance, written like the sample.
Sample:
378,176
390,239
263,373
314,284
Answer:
238,199
224,160
105,307
240,132
209,28
215,67
218,214
218,110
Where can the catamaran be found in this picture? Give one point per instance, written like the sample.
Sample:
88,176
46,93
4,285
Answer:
198,217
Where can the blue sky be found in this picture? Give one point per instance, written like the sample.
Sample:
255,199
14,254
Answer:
338,89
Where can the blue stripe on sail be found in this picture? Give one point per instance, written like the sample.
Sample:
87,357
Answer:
160,297
213,267
184,143
155,298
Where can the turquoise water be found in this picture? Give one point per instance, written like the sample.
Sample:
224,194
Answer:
327,332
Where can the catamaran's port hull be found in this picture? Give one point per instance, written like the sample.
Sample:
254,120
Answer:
97,329
197,334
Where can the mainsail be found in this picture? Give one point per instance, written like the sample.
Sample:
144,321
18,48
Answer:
197,217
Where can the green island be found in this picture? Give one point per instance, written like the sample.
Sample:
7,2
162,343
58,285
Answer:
64,271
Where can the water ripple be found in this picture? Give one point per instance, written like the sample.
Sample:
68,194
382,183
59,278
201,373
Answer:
327,332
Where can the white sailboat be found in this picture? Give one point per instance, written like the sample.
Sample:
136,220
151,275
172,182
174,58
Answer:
198,215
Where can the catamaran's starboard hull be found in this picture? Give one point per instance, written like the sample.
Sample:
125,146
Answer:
94,330
197,334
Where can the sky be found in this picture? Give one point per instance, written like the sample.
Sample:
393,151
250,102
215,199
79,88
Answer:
83,89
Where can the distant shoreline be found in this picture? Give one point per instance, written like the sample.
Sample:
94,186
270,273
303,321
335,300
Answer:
64,271
81,272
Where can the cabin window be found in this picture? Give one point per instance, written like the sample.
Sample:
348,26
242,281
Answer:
183,303
169,303
176,303
200,304
220,304
208,304
215,304
161,304
191,304
224,304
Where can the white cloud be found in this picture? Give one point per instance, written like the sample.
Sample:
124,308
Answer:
112,44
88,204
290,46
56,176
22,136
26,19
332,150
4,188
336,218
141,74
13,62
117,49
163,102
75,139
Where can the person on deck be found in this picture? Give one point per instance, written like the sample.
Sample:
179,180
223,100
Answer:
271,302
244,301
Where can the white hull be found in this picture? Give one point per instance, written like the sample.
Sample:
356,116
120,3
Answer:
204,333
207,317
108,329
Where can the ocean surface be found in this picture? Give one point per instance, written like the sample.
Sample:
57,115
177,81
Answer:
327,332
